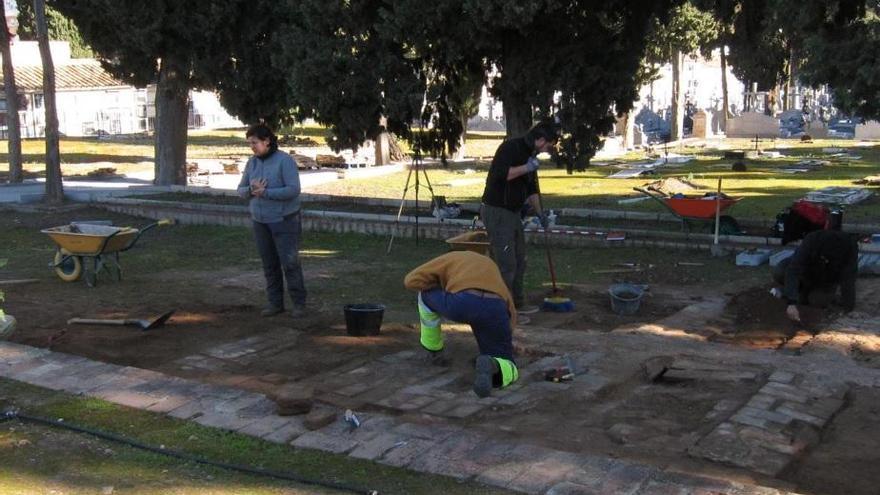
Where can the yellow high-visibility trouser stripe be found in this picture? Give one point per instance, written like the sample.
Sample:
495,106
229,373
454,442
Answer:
431,337
509,373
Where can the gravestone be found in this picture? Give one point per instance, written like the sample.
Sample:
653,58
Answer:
868,130
751,124
816,130
702,124
654,127
717,121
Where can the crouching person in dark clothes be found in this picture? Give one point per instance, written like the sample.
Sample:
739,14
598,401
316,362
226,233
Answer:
824,260
271,182
467,287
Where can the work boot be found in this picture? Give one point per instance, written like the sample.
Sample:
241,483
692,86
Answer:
271,311
298,311
486,369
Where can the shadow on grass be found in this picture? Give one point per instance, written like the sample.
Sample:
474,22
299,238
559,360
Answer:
78,158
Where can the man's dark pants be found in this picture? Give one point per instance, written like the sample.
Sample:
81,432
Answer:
809,294
508,244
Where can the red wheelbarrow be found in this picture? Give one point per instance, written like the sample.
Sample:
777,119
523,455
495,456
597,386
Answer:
697,208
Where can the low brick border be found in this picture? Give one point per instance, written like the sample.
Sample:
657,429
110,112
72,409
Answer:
429,227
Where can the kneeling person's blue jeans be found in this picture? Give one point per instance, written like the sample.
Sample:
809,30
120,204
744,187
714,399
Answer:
489,320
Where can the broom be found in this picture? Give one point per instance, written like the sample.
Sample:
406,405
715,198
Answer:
556,302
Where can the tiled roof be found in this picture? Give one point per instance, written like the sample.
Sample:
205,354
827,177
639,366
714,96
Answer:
70,75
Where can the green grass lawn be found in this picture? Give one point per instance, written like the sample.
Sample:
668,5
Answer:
368,273
43,459
765,189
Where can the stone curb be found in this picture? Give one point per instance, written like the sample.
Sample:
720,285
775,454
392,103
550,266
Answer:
447,450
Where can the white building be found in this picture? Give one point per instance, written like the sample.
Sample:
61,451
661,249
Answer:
89,100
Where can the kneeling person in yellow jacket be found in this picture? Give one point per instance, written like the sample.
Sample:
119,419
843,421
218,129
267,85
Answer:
467,287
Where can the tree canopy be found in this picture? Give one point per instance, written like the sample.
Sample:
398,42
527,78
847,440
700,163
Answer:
60,29
349,63
843,53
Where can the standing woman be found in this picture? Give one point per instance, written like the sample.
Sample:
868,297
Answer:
271,182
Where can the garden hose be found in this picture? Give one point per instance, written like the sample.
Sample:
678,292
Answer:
14,414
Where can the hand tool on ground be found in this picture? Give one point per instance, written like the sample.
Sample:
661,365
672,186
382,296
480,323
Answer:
144,324
560,374
353,421
556,301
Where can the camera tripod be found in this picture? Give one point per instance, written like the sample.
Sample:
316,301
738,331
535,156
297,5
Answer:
417,166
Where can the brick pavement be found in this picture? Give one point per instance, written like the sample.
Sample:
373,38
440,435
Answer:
439,448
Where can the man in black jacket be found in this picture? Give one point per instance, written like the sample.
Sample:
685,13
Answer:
513,182
824,260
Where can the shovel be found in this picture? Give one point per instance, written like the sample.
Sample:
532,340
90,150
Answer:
147,324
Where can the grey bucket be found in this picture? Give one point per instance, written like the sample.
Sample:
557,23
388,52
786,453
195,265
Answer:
625,298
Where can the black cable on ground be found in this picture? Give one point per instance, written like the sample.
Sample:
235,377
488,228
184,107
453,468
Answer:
10,415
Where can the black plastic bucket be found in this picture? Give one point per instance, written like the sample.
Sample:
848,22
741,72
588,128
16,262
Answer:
363,319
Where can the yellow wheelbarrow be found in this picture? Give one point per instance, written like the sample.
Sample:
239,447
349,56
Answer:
82,244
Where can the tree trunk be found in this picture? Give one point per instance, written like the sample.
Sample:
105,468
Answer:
792,80
629,129
54,186
725,98
172,94
676,131
13,132
459,153
517,110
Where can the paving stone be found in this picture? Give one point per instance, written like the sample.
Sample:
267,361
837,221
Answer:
416,402
569,488
746,419
401,455
262,426
770,416
168,403
513,399
460,468
465,410
782,376
193,408
501,474
336,444
291,429
377,446
225,421
235,405
802,416
426,432
762,401
490,452
68,360
438,407
262,408
319,418
785,392
34,374
547,471
129,398
141,374
611,475
822,408
354,389
12,353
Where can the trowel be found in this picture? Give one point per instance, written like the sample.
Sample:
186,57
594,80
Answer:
144,324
